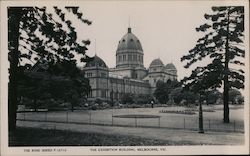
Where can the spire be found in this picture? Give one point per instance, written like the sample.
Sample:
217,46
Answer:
158,53
95,47
129,21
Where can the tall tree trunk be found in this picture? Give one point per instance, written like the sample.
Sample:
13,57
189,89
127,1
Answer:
14,15
226,84
201,130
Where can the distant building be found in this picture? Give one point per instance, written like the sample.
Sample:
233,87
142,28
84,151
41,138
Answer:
129,75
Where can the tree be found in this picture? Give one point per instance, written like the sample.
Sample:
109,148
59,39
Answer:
212,96
179,94
32,87
68,82
222,43
233,95
127,98
142,99
176,95
163,90
62,81
34,33
240,99
189,96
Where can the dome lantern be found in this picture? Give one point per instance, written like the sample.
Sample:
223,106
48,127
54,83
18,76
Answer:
129,30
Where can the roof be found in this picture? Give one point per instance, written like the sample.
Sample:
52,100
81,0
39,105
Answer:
156,62
96,62
129,42
170,66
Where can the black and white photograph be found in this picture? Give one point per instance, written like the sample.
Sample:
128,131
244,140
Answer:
124,77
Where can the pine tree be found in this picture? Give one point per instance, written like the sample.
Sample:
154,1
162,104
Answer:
35,34
222,42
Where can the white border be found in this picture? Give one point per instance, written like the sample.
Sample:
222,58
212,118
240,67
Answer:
170,150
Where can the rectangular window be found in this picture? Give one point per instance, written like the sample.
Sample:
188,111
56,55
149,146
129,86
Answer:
129,57
103,74
89,95
89,74
134,57
103,93
124,57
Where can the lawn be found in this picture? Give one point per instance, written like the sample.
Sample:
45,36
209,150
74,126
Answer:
212,117
44,137
97,128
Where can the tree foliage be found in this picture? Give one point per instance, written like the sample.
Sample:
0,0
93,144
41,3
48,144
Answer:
222,43
234,96
179,95
127,98
62,85
36,33
211,96
163,90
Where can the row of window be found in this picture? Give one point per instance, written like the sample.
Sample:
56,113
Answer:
160,69
89,95
90,74
131,40
104,92
130,57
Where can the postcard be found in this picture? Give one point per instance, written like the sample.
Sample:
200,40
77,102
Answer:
124,77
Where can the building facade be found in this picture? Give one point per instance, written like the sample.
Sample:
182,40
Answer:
129,75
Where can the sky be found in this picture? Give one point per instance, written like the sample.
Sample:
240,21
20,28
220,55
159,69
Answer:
166,29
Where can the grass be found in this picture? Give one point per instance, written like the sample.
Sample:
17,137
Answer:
45,137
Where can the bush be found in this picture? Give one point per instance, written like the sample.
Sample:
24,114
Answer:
94,107
127,98
98,101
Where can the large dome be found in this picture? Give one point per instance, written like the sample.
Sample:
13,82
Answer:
156,62
129,42
96,62
129,52
170,66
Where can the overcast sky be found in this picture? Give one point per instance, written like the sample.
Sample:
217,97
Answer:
166,29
